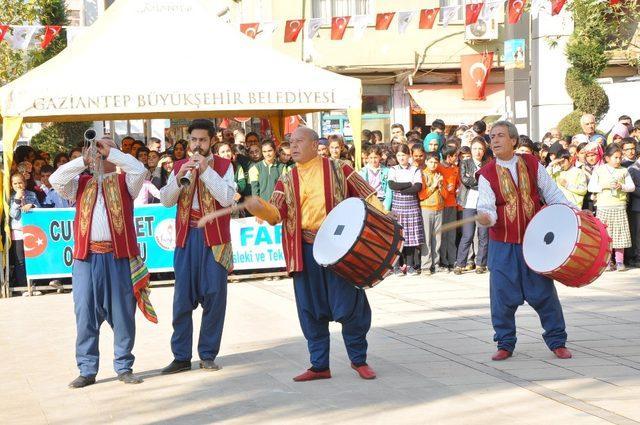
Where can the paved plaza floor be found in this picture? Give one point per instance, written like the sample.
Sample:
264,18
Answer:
430,343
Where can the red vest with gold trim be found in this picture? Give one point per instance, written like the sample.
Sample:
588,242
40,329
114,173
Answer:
119,205
515,205
218,231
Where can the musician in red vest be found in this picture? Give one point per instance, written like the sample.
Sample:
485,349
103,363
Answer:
301,201
511,190
106,263
200,185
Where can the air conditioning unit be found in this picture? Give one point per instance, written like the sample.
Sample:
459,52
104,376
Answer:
482,30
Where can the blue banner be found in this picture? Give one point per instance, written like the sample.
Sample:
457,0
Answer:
48,241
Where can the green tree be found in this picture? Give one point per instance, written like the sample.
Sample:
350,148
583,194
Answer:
599,29
55,137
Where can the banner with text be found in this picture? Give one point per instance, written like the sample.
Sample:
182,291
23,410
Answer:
48,241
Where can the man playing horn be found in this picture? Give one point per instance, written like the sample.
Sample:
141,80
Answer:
109,277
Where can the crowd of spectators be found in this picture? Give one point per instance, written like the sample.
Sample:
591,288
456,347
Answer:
427,178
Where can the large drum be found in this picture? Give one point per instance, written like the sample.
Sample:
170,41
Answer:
572,247
358,243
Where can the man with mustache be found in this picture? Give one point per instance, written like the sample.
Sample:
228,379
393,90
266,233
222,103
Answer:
109,277
511,189
203,256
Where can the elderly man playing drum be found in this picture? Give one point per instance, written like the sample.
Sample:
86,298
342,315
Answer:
512,189
301,201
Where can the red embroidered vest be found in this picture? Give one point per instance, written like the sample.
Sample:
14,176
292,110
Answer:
218,231
515,205
119,215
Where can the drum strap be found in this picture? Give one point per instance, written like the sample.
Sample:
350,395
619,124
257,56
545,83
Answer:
338,181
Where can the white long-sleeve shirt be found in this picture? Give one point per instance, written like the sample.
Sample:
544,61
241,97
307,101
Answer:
65,181
222,188
547,189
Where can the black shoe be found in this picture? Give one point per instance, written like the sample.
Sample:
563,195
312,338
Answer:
176,367
129,378
209,365
82,381
457,270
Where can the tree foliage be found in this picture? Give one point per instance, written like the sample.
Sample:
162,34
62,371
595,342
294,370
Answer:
55,137
599,29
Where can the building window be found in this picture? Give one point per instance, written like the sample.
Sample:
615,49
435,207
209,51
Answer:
376,99
328,8
459,18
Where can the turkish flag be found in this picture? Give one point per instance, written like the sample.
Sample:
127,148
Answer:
292,29
250,30
472,13
475,73
50,33
291,124
383,20
3,31
264,125
611,2
339,26
514,10
556,6
427,18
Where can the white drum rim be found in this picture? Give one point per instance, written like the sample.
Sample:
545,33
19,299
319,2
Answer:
524,240
355,241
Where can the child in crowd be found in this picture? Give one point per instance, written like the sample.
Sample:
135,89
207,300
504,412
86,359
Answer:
610,183
377,175
431,205
52,198
450,181
264,175
284,156
572,181
405,181
21,202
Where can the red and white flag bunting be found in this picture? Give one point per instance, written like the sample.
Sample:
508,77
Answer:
339,26
514,10
449,13
292,30
472,13
313,26
383,20
490,10
359,23
50,33
556,6
404,19
3,30
267,29
250,29
428,18
21,36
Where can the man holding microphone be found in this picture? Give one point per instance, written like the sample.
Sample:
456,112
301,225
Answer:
203,257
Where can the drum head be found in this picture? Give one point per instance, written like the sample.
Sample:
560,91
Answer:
339,231
550,238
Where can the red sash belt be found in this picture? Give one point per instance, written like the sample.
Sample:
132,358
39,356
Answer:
104,247
194,216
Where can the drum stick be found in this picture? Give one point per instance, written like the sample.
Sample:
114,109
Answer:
219,213
458,223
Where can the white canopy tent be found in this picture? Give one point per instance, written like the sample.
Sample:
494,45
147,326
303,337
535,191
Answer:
80,85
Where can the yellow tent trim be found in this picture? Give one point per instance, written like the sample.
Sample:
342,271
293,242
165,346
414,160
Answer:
11,127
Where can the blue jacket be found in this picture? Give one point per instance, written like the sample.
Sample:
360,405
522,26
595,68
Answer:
15,212
384,178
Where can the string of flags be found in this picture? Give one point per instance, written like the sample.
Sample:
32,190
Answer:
23,37
474,11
